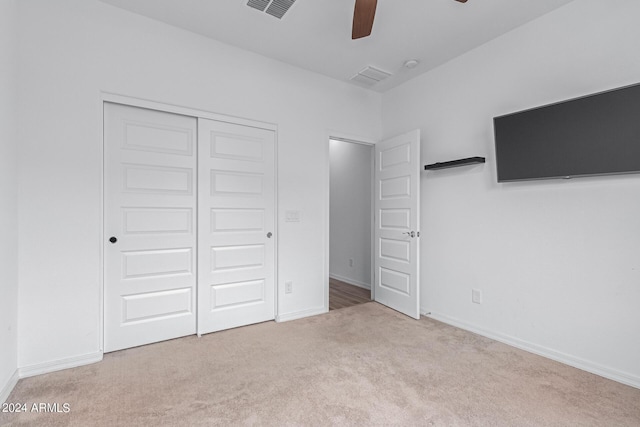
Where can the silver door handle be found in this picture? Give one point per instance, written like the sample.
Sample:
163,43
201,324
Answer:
410,233
269,234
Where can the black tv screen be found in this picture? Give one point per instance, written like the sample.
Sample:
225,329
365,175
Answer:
594,135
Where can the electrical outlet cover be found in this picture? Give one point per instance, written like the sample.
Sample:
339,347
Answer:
476,296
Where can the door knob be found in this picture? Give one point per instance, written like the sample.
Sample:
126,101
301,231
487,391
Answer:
410,233
269,234
112,239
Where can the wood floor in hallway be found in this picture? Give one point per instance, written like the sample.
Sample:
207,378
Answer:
342,295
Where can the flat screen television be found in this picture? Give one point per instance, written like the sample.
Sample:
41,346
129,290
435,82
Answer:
593,135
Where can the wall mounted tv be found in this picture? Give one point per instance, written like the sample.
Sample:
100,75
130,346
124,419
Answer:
594,135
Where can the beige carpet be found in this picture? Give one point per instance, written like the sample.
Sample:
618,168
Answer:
364,365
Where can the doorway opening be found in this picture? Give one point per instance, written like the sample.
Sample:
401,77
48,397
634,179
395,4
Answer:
350,223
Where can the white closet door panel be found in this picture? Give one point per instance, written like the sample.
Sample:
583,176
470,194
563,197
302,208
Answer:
236,222
150,208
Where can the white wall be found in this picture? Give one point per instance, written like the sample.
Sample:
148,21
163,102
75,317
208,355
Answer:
350,213
8,197
558,262
73,49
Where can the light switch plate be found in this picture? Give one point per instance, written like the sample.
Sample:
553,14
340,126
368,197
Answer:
292,216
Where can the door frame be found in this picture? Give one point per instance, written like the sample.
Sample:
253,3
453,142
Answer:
115,98
341,136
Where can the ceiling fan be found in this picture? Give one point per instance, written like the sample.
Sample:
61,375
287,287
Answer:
363,15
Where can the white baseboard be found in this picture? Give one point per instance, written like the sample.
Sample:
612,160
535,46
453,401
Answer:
350,281
60,364
300,314
567,359
7,388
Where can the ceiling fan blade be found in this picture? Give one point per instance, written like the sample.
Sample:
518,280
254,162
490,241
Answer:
363,14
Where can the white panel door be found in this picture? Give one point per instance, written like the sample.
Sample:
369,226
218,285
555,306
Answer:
397,223
149,231
236,222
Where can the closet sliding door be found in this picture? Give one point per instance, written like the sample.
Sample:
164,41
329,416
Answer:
236,225
189,226
149,226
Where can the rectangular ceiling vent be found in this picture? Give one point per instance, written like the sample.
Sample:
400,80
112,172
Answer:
275,8
370,76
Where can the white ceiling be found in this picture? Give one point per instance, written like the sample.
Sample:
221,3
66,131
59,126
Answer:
316,34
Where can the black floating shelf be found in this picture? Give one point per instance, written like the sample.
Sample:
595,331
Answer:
454,163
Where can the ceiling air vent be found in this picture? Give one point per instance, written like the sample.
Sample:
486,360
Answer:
370,76
275,8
